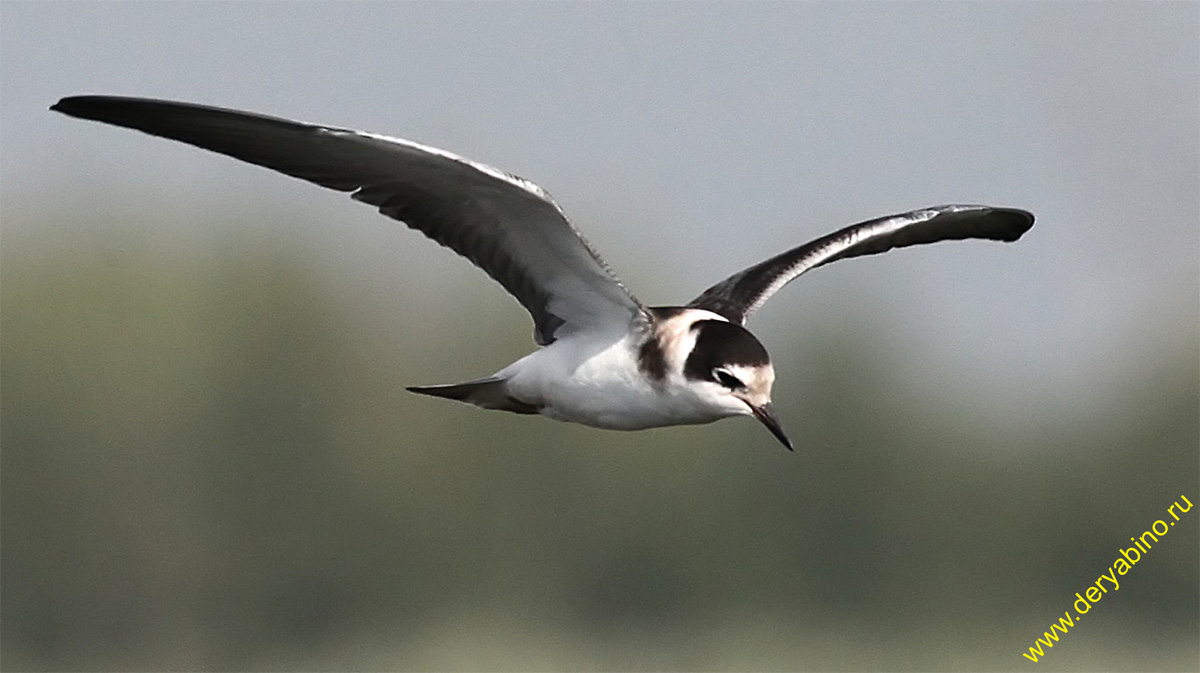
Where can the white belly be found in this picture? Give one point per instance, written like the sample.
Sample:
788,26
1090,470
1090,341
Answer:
598,383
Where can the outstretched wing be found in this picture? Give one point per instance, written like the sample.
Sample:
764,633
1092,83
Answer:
741,294
505,225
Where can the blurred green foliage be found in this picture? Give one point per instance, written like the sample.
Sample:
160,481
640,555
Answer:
208,464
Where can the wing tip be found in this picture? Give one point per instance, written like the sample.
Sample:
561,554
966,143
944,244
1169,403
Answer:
70,105
96,108
1018,222
1010,223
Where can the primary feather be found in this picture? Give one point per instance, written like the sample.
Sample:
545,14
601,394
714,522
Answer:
505,225
743,293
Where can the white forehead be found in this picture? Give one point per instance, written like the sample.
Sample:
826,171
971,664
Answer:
677,337
679,326
754,376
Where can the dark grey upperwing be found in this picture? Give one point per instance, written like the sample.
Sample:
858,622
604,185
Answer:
741,294
505,225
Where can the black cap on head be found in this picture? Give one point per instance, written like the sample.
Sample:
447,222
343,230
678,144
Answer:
722,343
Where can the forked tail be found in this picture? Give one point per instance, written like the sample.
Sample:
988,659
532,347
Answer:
486,393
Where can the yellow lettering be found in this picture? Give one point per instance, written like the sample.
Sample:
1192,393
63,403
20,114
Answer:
1086,606
1034,657
1111,577
1136,556
1121,566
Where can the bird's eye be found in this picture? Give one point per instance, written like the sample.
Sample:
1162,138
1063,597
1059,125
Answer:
728,380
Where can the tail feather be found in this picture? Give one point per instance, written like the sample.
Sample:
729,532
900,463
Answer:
486,393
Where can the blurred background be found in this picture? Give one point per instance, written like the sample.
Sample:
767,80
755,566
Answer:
209,461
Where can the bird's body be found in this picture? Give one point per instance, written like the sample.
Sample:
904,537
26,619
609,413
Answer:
605,359
594,381
614,383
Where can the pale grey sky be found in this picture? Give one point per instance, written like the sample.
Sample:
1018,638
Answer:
711,135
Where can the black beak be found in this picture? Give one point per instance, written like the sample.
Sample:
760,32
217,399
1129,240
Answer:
766,414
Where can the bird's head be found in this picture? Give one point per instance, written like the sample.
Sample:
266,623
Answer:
730,370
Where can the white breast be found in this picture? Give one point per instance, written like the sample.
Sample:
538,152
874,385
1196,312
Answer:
596,381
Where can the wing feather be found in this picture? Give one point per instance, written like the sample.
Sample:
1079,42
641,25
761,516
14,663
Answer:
740,295
505,225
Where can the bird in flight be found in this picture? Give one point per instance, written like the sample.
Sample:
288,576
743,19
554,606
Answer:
605,360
